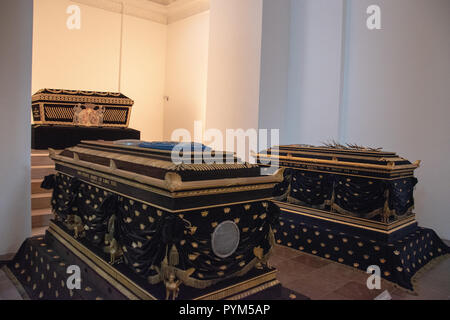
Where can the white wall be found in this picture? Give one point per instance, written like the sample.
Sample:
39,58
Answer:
143,74
234,64
89,58
398,94
186,73
85,59
274,64
16,26
312,113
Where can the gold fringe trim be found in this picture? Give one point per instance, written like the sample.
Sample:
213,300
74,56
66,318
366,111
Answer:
203,284
251,286
292,200
426,268
366,216
161,164
334,206
254,290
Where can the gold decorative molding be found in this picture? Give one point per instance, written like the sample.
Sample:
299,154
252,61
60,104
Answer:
171,185
164,193
380,227
134,292
156,11
124,285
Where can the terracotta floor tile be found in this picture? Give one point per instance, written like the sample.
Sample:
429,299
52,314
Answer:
430,280
438,277
311,261
344,272
314,277
357,291
286,279
285,252
294,268
334,296
396,297
276,261
386,285
315,288
327,277
429,293
401,294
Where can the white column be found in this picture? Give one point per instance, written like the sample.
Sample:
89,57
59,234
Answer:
274,65
16,27
234,64
313,109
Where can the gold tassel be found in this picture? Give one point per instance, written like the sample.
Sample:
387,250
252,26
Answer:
333,199
174,257
386,211
271,237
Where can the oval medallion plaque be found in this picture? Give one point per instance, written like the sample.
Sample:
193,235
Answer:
225,239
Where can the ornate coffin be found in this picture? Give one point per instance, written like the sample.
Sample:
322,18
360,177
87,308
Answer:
354,206
198,224
81,108
351,184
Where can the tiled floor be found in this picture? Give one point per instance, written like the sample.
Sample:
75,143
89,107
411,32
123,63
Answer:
322,279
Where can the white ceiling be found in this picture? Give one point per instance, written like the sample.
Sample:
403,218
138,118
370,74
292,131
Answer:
161,11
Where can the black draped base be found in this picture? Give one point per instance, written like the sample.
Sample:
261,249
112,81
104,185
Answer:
399,258
61,137
39,269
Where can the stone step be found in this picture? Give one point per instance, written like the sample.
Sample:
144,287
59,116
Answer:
41,201
38,231
35,151
39,172
36,186
41,217
41,166
41,159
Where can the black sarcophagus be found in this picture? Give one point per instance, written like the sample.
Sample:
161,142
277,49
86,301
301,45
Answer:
81,108
352,205
372,186
159,223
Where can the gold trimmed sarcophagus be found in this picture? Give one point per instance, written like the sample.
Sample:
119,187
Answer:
352,205
81,108
351,184
197,224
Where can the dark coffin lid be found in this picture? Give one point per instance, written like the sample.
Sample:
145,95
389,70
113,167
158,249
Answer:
155,167
80,96
352,158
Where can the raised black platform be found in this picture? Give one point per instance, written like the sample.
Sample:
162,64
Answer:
369,229
400,253
41,263
60,137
